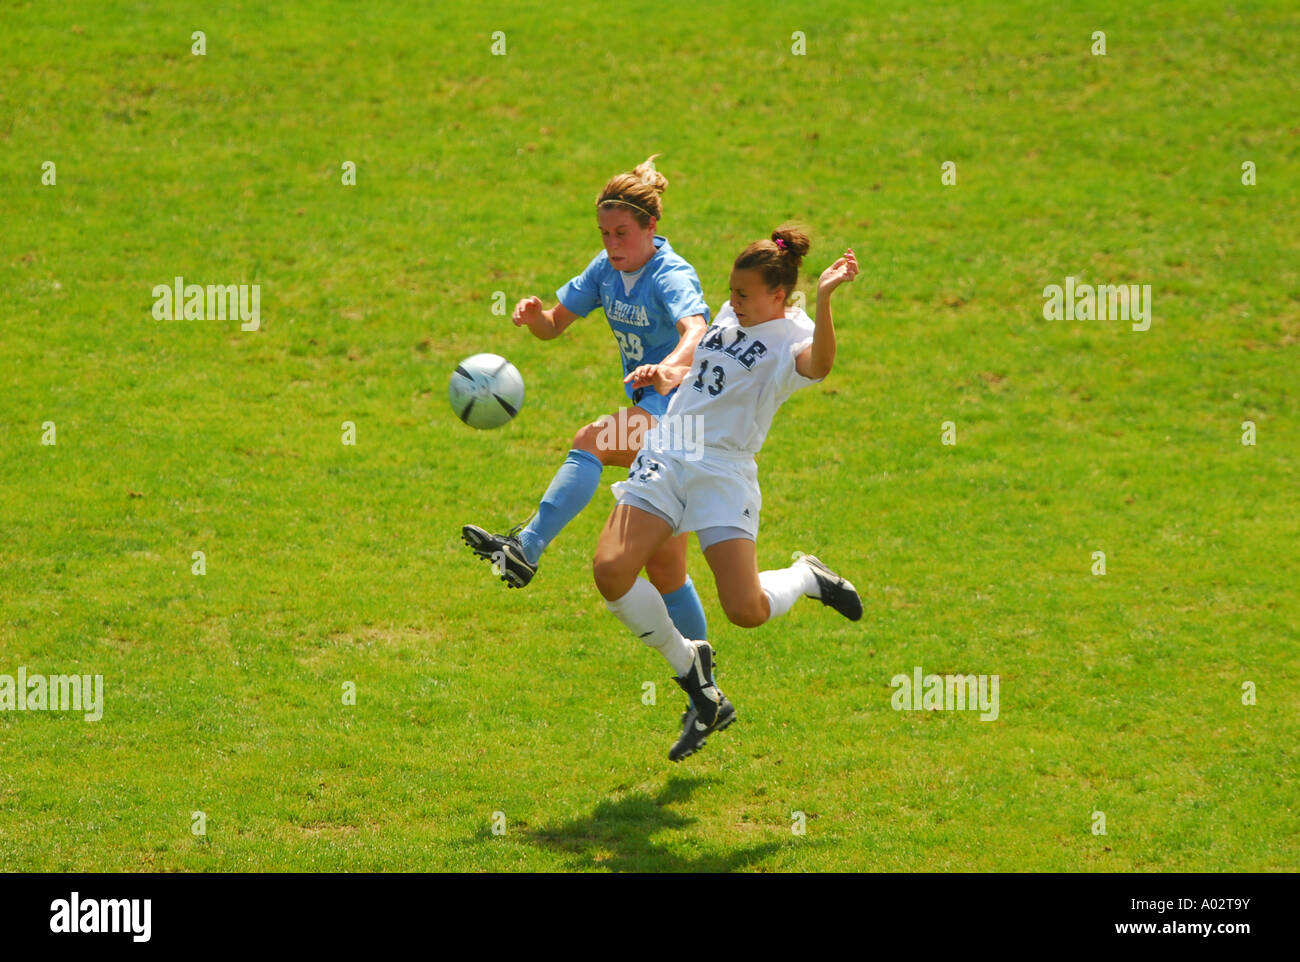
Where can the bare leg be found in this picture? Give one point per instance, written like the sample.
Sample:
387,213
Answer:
735,571
615,439
629,539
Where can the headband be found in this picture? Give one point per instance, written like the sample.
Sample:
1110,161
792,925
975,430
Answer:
620,200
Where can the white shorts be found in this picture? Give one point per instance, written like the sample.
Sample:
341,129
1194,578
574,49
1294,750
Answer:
694,495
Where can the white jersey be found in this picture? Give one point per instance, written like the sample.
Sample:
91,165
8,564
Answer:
740,377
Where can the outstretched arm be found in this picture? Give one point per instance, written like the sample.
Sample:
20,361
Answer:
670,372
816,360
544,324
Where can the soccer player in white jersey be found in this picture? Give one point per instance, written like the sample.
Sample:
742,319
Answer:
756,354
655,307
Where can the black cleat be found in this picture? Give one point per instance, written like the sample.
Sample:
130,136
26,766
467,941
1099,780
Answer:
504,551
714,712
836,592
695,733
713,673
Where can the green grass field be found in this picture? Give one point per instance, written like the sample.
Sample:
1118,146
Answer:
476,173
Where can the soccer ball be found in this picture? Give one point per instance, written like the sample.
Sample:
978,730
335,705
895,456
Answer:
486,391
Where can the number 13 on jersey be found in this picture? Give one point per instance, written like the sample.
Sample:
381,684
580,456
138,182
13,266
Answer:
719,379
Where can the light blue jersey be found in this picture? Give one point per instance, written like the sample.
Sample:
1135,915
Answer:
644,319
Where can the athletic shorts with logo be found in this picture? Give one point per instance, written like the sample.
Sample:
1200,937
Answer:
692,495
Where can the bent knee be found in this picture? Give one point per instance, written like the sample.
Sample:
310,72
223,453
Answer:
594,438
749,613
613,577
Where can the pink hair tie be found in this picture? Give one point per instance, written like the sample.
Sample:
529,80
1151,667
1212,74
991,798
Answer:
779,243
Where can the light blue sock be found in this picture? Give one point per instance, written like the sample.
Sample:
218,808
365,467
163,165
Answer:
571,490
687,613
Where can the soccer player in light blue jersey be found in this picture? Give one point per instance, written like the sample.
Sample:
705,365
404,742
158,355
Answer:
655,307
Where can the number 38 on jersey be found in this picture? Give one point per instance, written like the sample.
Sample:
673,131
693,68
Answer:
630,344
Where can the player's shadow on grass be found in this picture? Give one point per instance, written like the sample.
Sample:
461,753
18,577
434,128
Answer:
618,836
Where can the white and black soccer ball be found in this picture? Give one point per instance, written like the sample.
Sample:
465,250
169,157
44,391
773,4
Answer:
486,391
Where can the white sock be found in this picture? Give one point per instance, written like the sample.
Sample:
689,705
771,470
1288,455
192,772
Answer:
643,611
785,586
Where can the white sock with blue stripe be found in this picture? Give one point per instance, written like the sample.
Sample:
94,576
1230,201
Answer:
644,613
